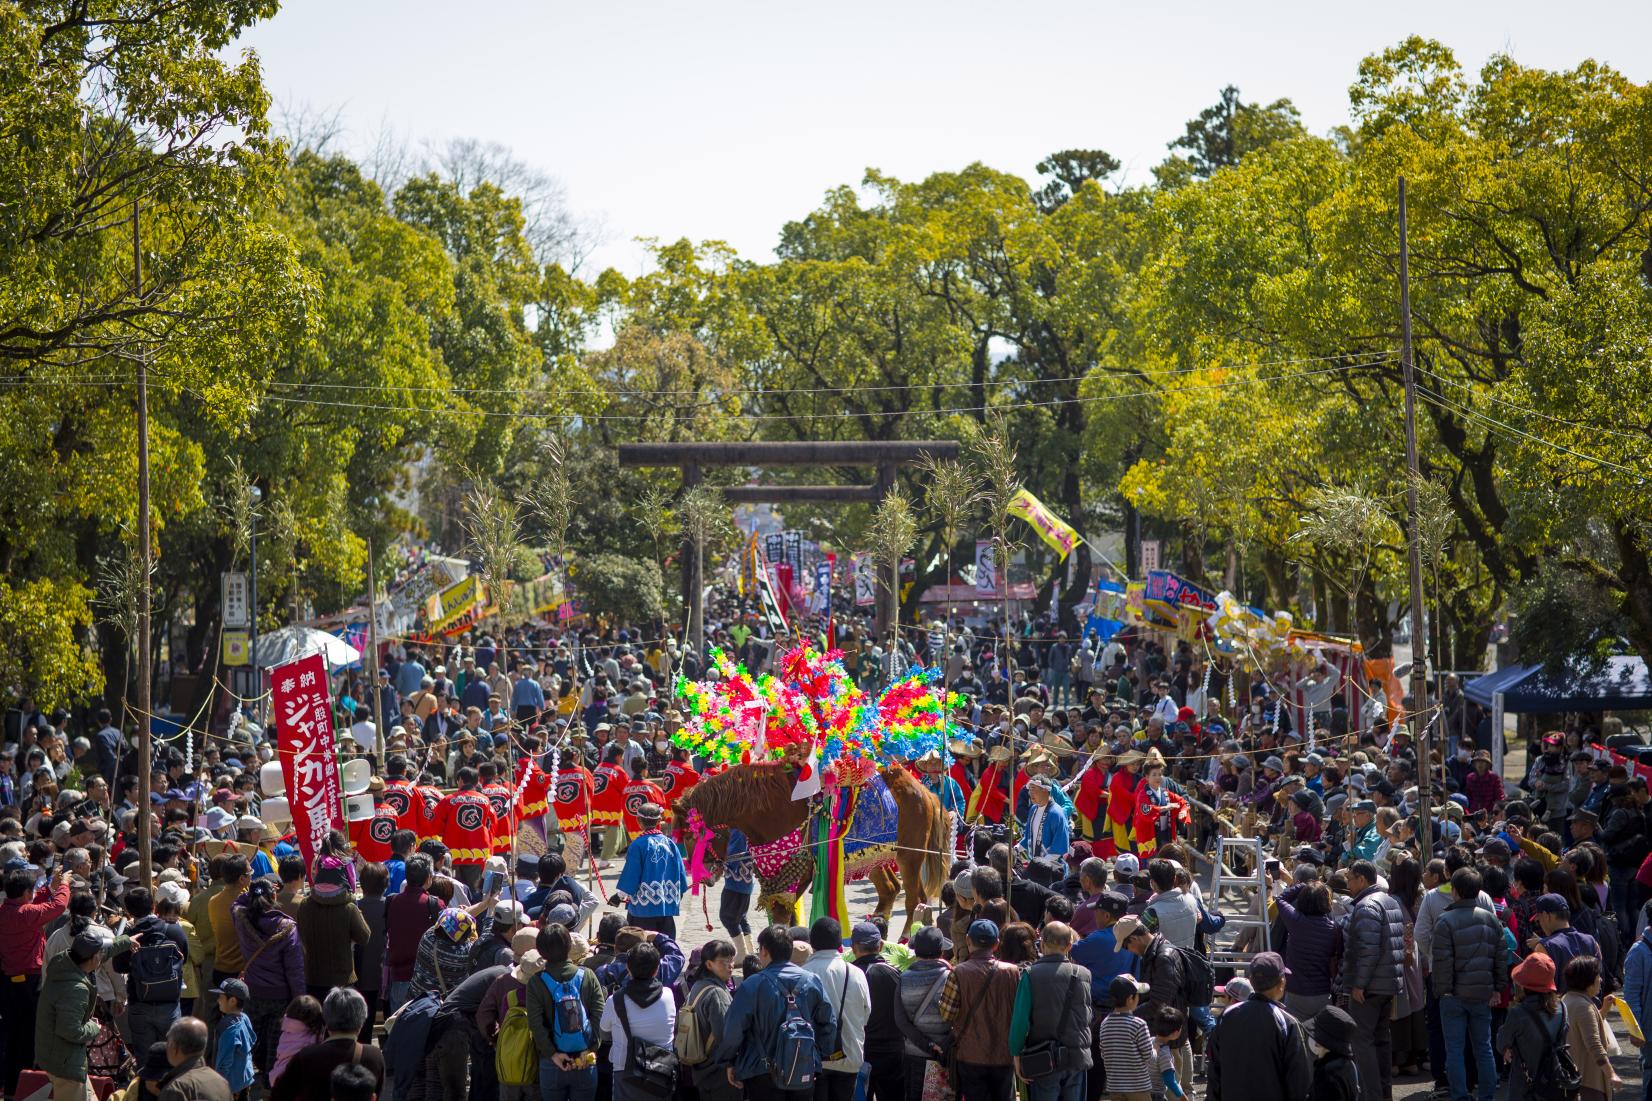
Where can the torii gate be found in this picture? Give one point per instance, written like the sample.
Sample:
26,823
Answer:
690,458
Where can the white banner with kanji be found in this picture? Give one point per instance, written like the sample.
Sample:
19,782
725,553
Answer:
303,709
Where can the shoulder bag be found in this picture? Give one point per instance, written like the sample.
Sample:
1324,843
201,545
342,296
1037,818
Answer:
1044,1057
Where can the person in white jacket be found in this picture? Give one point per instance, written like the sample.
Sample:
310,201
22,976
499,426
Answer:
851,1000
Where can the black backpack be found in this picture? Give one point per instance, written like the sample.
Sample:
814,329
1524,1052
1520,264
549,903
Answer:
1554,1077
1198,977
157,969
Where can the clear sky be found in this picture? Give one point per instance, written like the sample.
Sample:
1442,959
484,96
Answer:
723,119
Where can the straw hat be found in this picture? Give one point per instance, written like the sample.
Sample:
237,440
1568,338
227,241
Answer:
999,754
930,762
962,748
1131,757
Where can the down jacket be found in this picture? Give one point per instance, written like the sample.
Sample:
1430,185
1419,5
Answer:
276,972
1470,959
1374,957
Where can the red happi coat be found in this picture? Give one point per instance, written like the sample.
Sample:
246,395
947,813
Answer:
499,798
607,795
636,793
571,798
678,778
403,798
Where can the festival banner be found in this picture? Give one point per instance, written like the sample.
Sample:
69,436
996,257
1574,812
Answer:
822,602
453,603
1051,528
303,712
986,567
866,580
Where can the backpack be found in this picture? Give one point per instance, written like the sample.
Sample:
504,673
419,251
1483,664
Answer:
796,1063
650,1067
569,1024
157,969
515,1060
1554,1077
1198,977
693,1046
1603,926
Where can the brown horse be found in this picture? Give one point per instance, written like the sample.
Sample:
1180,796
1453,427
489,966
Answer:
757,800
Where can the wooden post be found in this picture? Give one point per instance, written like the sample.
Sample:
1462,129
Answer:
1419,637
694,613
373,656
145,673
888,607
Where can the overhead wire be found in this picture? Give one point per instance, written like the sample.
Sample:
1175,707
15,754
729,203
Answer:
605,418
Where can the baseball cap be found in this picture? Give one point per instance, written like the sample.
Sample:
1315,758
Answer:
865,935
1267,969
1113,903
1553,904
508,912
233,988
982,931
1125,928
964,885
929,943
1126,864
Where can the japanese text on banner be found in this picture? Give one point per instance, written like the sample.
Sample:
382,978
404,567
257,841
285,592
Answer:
309,758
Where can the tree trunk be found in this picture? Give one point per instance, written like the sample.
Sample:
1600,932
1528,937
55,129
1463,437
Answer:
1373,623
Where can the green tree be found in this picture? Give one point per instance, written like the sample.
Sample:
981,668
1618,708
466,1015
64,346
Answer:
1230,129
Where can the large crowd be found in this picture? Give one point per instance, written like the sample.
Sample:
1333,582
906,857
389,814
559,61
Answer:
429,951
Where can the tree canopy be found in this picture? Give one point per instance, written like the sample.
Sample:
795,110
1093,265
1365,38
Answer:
1208,358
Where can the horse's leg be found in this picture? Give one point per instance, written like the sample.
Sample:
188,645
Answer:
884,881
911,879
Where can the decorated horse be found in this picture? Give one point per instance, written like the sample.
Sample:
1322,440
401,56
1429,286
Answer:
892,829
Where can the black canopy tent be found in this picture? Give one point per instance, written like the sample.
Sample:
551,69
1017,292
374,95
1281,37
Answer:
1618,684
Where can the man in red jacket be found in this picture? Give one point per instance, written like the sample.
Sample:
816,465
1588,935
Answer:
22,944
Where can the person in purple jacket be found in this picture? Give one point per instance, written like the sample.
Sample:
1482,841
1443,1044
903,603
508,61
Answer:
274,970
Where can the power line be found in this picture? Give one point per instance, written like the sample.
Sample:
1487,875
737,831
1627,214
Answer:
763,391
597,418
1639,437
1489,422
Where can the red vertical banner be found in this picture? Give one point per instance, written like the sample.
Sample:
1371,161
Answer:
303,711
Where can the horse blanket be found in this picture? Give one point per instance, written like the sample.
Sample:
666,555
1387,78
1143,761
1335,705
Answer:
786,865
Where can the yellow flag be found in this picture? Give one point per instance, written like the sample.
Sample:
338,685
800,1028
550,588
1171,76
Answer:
1051,528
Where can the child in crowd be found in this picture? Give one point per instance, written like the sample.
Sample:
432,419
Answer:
1167,1025
1331,1039
300,1027
235,1036
1126,1045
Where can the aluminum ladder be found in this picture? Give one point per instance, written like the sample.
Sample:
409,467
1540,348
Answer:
1252,911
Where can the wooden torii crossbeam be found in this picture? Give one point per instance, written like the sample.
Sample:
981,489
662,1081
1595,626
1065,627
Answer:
886,457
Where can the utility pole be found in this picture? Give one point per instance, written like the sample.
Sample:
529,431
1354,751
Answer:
145,863
1419,638
373,650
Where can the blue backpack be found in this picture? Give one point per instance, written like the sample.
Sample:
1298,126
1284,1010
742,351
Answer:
569,1025
796,1062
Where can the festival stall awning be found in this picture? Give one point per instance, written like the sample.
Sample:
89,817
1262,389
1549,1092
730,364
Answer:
964,594
1621,684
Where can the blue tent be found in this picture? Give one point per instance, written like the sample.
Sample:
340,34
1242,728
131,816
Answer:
1621,684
